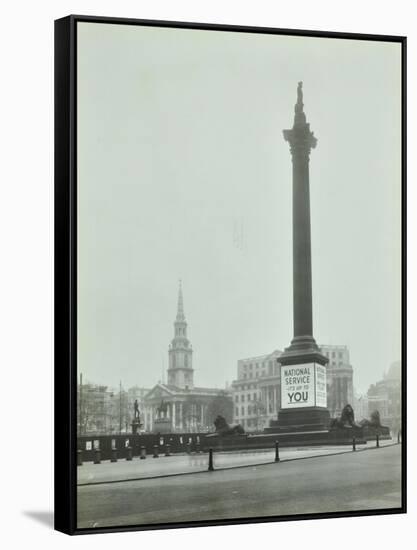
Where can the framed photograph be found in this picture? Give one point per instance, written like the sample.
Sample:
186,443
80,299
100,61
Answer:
229,274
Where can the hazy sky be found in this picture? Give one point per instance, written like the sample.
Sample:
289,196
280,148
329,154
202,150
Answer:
183,172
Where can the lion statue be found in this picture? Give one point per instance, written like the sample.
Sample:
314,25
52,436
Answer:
223,428
373,422
345,420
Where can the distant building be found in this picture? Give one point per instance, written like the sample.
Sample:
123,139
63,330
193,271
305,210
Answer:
339,378
102,410
94,411
385,397
187,407
256,391
361,407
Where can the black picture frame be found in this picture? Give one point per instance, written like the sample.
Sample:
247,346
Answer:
66,268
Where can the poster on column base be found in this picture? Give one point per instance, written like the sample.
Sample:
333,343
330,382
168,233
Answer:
303,386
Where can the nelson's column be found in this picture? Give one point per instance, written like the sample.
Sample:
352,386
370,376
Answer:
303,366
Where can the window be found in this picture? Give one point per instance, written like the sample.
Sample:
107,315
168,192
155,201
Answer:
243,397
237,411
242,411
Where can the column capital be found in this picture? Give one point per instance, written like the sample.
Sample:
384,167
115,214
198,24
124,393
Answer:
301,140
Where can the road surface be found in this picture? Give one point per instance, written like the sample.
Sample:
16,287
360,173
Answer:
364,480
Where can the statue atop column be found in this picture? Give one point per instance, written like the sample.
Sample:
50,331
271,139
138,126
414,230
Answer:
300,137
300,117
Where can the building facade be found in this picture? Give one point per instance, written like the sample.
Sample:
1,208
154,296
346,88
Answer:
339,378
94,409
256,392
361,407
385,397
102,410
180,404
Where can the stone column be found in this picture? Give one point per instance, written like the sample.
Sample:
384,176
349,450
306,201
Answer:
303,350
174,406
301,141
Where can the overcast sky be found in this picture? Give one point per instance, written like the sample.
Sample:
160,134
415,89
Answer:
183,172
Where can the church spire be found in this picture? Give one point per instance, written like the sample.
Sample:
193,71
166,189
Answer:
180,308
180,369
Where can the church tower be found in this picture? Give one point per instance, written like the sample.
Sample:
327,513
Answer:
180,370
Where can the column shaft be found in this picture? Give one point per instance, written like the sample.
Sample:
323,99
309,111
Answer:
302,293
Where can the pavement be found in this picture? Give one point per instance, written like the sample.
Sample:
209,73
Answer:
124,470
367,480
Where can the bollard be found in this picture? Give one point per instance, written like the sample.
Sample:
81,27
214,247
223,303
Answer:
143,453
113,455
197,448
188,448
79,457
129,453
354,443
276,451
155,451
167,449
210,463
377,440
97,456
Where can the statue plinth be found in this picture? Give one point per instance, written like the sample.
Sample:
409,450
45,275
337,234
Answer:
136,425
162,425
